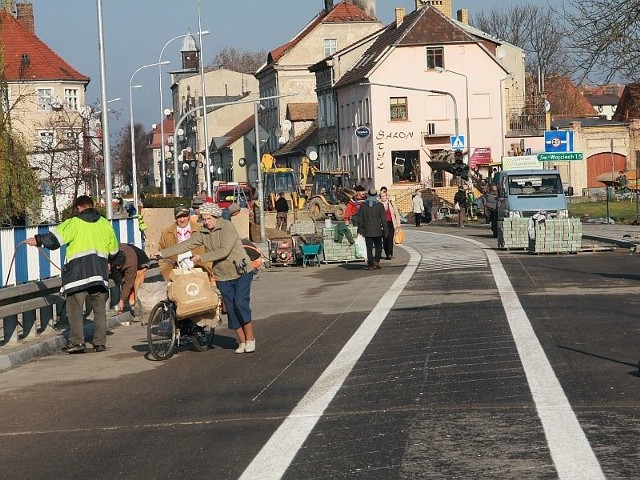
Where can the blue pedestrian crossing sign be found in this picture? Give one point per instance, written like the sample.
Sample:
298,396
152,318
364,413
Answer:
558,141
457,142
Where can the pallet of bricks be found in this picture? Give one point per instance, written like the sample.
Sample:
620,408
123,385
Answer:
333,251
513,234
556,236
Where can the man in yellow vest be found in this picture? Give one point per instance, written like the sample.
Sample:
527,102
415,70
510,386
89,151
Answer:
91,242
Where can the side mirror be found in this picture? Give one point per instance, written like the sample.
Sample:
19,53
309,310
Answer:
569,192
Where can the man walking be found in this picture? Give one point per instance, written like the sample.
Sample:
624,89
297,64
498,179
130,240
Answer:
282,210
90,242
460,199
372,225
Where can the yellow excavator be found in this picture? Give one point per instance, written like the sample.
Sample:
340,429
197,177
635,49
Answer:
279,180
324,193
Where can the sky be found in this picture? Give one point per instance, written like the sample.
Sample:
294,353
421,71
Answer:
135,31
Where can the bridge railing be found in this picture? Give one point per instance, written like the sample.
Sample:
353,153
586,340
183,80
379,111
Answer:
30,283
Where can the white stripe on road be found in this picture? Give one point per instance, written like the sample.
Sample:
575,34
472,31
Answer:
277,454
570,450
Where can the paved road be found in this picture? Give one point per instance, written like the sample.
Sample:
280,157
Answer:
426,369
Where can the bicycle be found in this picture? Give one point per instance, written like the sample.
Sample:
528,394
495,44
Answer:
165,331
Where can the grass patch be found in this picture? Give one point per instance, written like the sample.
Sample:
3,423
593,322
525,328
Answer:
621,211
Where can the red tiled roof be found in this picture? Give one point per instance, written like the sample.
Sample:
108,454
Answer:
300,112
341,13
155,133
42,64
424,26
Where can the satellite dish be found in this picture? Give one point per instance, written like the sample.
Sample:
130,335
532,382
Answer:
168,111
282,140
547,106
153,126
312,153
286,125
501,53
180,132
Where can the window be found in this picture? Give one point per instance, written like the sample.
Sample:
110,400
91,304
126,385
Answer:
71,98
435,57
45,139
73,138
398,108
330,46
44,98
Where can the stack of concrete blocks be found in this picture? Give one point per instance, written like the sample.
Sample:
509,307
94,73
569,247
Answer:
338,251
302,228
513,233
557,236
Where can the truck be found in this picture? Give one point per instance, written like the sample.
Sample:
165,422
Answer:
524,193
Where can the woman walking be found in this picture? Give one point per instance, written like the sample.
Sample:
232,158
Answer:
417,207
393,222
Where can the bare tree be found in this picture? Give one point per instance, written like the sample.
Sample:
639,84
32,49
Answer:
533,28
233,59
144,159
18,185
60,157
605,38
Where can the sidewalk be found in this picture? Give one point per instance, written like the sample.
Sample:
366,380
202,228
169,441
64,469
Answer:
289,279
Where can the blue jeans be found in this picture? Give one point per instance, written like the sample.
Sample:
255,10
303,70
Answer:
236,296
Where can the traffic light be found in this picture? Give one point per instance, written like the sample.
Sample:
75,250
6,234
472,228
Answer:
459,168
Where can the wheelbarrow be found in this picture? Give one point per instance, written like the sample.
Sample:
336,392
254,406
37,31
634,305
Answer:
310,253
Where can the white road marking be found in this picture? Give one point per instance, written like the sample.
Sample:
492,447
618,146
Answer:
277,454
570,450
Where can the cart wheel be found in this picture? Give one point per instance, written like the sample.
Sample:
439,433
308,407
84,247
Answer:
161,331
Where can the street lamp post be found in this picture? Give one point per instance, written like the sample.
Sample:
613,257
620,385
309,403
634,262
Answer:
466,90
162,115
134,165
207,159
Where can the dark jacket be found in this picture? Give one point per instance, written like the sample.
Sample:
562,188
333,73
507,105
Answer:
281,205
461,198
372,221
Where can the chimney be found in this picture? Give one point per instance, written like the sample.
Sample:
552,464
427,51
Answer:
400,11
369,6
463,16
328,5
25,16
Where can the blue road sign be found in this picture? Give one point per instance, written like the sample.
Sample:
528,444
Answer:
457,142
556,141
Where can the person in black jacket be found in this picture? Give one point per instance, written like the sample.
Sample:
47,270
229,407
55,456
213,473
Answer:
282,210
461,199
372,225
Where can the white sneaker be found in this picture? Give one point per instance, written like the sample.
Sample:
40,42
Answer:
241,348
251,346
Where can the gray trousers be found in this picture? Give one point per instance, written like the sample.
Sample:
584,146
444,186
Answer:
95,298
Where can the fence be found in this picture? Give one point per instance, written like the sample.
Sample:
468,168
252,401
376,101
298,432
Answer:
29,289
30,265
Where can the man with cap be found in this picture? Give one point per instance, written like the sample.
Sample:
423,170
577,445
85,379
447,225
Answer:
177,232
353,206
231,268
372,225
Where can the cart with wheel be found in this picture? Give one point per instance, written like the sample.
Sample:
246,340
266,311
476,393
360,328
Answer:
168,327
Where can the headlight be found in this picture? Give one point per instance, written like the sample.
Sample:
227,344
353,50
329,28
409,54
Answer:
513,214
